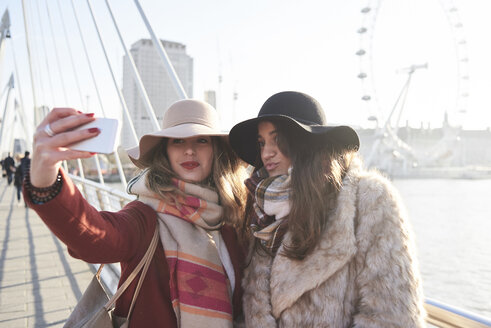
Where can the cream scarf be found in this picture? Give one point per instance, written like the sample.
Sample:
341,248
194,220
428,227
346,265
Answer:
189,231
271,206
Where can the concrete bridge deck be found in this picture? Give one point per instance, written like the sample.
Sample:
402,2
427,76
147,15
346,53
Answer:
39,282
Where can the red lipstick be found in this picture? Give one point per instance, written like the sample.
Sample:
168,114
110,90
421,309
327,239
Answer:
190,165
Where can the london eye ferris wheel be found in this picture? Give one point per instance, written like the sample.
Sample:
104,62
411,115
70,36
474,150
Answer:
413,69
398,38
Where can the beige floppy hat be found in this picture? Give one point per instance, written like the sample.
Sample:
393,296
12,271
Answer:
184,119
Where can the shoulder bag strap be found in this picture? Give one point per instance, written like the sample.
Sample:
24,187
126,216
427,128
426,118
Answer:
148,258
144,263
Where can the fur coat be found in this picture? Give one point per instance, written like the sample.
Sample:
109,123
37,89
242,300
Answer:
362,273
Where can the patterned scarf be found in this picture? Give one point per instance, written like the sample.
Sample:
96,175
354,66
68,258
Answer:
271,206
199,288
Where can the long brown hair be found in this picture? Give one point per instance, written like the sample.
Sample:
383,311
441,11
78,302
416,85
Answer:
227,176
318,168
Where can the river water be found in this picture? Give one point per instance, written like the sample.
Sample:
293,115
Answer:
451,221
452,224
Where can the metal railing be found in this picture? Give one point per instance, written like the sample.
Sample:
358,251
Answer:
100,196
446,316
104,198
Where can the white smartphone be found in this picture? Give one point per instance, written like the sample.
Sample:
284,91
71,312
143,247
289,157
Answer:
105,142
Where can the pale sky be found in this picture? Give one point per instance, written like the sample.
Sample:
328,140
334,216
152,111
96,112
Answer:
263,47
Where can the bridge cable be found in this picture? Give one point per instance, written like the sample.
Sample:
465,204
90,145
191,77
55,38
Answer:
43,42
136,75
120,95
76,77
96,157
163,55
94,81
36,114
48,12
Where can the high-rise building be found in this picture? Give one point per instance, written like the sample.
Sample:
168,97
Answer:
157,83
211,97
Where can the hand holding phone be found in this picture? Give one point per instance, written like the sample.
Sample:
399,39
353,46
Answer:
105,142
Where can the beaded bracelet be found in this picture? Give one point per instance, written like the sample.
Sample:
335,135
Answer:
43,195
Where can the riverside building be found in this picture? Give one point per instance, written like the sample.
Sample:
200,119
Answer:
158,85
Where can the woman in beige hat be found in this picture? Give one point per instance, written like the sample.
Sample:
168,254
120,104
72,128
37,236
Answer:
190,190
332,246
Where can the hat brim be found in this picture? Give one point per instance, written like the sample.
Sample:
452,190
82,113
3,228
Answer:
138,154
243,136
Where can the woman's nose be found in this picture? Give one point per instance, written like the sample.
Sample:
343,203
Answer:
189,150
269,151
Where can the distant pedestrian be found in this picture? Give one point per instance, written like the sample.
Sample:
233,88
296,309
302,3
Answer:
9,165
25,164
18,179
21,172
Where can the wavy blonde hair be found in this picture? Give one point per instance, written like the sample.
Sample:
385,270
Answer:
227,176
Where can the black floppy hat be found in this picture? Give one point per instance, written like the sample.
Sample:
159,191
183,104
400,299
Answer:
298,111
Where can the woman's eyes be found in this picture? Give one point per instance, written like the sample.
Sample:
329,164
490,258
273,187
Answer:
272,141
199,140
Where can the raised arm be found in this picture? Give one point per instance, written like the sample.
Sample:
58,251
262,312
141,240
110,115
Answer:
89,234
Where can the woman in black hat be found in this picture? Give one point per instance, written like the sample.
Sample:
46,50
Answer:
331,245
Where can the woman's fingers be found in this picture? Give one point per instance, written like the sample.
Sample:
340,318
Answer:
49,150
56,114
66,154
62,124
51,144
71,122
65,139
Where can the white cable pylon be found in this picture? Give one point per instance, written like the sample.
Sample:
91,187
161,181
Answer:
4,30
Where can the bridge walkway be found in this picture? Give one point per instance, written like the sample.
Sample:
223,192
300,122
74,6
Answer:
39,282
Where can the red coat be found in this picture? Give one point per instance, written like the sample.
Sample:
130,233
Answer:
124,236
